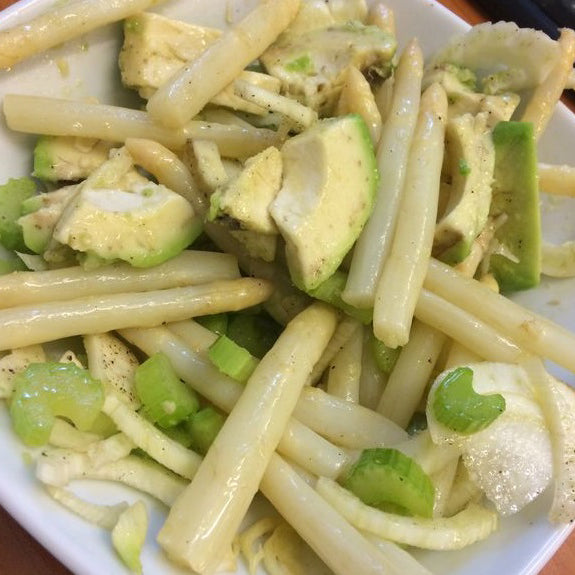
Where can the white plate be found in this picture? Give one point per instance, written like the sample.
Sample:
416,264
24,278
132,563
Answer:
522,545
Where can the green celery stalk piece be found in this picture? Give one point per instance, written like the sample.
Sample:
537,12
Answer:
392,481
166,399
232,359
203,428
44,391
457,405
256,332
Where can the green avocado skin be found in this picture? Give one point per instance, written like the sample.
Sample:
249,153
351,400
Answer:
516,194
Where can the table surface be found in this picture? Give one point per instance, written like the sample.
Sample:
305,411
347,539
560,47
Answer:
20,554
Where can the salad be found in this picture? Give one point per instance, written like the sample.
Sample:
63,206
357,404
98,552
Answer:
281,273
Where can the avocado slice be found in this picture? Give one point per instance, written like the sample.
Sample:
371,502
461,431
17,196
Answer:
516,194
329,182
143,226
67,158
41,213
12,194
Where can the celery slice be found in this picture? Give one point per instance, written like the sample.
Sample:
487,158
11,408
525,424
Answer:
256,332
166,400
203,428
457,406
232,359
46,390
129,535
385,357
392,481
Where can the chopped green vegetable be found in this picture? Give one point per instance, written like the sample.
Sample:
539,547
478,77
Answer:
218,323
516,195
330,292
12,194
232,359
166,400
44,391
129,535
464,167
256,332
385,356
457,406
390,480
203,428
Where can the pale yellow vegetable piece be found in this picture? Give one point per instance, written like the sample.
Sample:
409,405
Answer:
188,91
63,22
542,103
129,535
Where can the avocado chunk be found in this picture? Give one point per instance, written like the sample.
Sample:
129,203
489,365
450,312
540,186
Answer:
471,160
156,47
67,158
312,65
118,214
41,213
516,195
329,181
246,199
12,194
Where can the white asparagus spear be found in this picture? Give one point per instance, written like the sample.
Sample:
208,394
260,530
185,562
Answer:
205,518
190,89
62,22
25,325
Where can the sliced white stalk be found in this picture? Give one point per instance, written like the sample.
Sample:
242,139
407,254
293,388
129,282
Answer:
442,482
472,524
105,516
346,329
27,325
112,362
408,380
558,403
168,169
64,434
372,380
204,520
149,438
346,424
557,179
542,103
339,544
344,372
404,561
112,448
527,329
403,271
558,260
300,116
16,361
432,457
188,268
465,328
374,243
